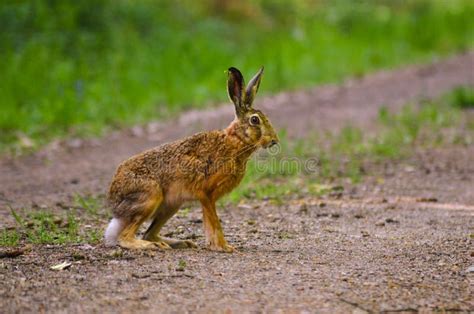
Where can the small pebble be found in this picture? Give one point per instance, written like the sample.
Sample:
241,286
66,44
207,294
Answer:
303,208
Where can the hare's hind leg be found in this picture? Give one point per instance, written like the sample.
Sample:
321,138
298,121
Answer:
162,215
135,209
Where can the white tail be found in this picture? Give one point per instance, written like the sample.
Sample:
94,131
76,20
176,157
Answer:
113,231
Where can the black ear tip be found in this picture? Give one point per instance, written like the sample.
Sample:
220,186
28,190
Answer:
235,73
233,70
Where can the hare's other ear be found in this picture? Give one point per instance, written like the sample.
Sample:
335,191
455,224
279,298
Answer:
235,88
252,88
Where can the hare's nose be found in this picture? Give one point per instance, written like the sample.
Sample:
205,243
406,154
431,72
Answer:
273,142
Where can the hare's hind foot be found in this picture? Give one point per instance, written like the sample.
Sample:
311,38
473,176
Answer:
172,243
136,244
226,248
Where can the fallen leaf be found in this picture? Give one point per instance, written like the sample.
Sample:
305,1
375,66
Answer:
61,266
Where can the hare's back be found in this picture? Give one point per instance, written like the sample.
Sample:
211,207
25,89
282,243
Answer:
163,161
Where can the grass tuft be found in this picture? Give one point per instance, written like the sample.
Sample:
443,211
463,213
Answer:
90,204
463,98
42,227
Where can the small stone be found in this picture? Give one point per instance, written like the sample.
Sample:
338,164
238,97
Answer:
75,143
149,253
86,247
358,216
40,206
137,131
470,269
116,253
153,127
380,223
391,221
244,206
303,208
365,233
25,141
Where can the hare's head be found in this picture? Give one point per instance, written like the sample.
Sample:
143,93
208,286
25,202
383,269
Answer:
251,125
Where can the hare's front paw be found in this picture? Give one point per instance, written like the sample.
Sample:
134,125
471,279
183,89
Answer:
179,244
226,248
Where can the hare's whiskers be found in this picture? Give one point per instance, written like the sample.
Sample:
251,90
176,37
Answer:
246,149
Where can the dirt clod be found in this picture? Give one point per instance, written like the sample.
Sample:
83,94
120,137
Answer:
391,221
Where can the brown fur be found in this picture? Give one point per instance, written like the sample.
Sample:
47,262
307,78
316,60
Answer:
203,167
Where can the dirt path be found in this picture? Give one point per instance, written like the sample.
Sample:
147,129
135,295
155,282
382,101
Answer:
355,253
400,241
61,170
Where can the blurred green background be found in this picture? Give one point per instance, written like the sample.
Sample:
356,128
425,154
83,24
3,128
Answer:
79,68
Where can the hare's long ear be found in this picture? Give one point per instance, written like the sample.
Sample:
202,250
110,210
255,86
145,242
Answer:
235,88
252,88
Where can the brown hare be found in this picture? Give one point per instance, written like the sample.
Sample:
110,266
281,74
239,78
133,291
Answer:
204,167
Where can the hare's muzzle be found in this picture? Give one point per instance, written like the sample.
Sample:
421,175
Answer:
272,143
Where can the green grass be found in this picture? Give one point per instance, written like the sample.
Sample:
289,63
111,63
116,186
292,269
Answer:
9,238
463,98
344,155
181,265
43,227
89,203
77,68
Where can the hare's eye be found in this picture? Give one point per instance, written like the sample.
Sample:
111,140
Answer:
254,120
